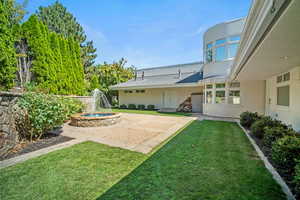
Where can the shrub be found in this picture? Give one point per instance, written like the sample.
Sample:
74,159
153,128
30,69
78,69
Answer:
150,107
272,134
258,127
285,152
123,106
297,178
132,106
40,113
248,118
141,107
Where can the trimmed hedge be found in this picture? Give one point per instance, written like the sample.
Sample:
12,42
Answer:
150,107
131,106
123,106
285,153
296,179
258,127
248,118
272,134
141,107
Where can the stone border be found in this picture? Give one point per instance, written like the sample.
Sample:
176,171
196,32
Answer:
285,188
83,121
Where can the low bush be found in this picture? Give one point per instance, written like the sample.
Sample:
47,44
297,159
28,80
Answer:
132,106
141,107
39,113
248,118
297,178
272,134
150,107
258,127
285,153
123,106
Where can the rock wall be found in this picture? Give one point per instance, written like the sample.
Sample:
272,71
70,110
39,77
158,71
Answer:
8,133
86,100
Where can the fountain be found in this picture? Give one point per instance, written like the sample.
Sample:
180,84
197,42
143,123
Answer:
100,115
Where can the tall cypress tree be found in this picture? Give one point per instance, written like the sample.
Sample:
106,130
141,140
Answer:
7,51
59,20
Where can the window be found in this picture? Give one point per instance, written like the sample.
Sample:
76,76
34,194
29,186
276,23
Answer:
220,85
220,41
209,96
220,53
209,86
234,97
220,96
209,53
232,49
283,96
286,77
235,85
234,38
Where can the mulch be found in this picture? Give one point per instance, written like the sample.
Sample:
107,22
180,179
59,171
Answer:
26,147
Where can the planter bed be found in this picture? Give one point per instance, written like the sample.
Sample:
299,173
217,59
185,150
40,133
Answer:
26,147
287,178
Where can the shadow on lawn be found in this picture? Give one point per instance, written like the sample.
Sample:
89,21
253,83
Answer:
202,162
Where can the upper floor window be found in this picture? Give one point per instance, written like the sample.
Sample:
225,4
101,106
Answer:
232,49
220,41
220,53
235,38
209,53
220,85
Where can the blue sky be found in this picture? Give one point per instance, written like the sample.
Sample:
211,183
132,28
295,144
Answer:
149,33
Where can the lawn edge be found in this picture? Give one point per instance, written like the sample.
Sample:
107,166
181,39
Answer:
285,188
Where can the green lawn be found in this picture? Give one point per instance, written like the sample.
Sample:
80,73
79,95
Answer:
152,112
207,160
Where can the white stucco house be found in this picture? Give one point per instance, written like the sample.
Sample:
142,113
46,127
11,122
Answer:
249,64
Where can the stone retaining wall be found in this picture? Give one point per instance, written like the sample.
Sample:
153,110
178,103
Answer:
8,134
86,100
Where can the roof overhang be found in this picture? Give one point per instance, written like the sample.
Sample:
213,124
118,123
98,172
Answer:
156,86
271,40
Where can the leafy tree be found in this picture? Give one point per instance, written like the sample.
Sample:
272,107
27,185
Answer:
105,75
59,20
11,14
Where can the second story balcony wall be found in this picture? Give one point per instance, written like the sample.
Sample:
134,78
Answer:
220,44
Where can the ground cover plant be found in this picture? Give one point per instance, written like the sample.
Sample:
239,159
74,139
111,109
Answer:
206,160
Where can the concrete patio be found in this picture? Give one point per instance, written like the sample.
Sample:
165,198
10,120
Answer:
136,132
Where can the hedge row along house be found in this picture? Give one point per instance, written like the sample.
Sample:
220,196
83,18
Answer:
250,64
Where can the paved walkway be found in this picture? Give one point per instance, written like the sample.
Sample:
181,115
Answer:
136,132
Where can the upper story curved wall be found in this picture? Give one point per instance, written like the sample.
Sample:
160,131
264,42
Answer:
220,44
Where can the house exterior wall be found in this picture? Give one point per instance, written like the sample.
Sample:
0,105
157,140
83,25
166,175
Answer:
252,98
155,96
288,114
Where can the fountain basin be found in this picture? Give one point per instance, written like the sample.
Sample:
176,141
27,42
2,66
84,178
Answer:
95,119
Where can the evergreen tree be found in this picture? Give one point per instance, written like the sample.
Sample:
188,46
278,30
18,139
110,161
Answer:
8,24
59,20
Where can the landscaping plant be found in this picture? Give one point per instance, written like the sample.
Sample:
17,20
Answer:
297,178
123,106
131,106
248,118
258,127
141,107
285,153
150,107
272,134
39,113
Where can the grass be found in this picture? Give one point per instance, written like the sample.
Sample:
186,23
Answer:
152,112
207,160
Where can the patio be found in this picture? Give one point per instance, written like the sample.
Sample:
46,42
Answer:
136,132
